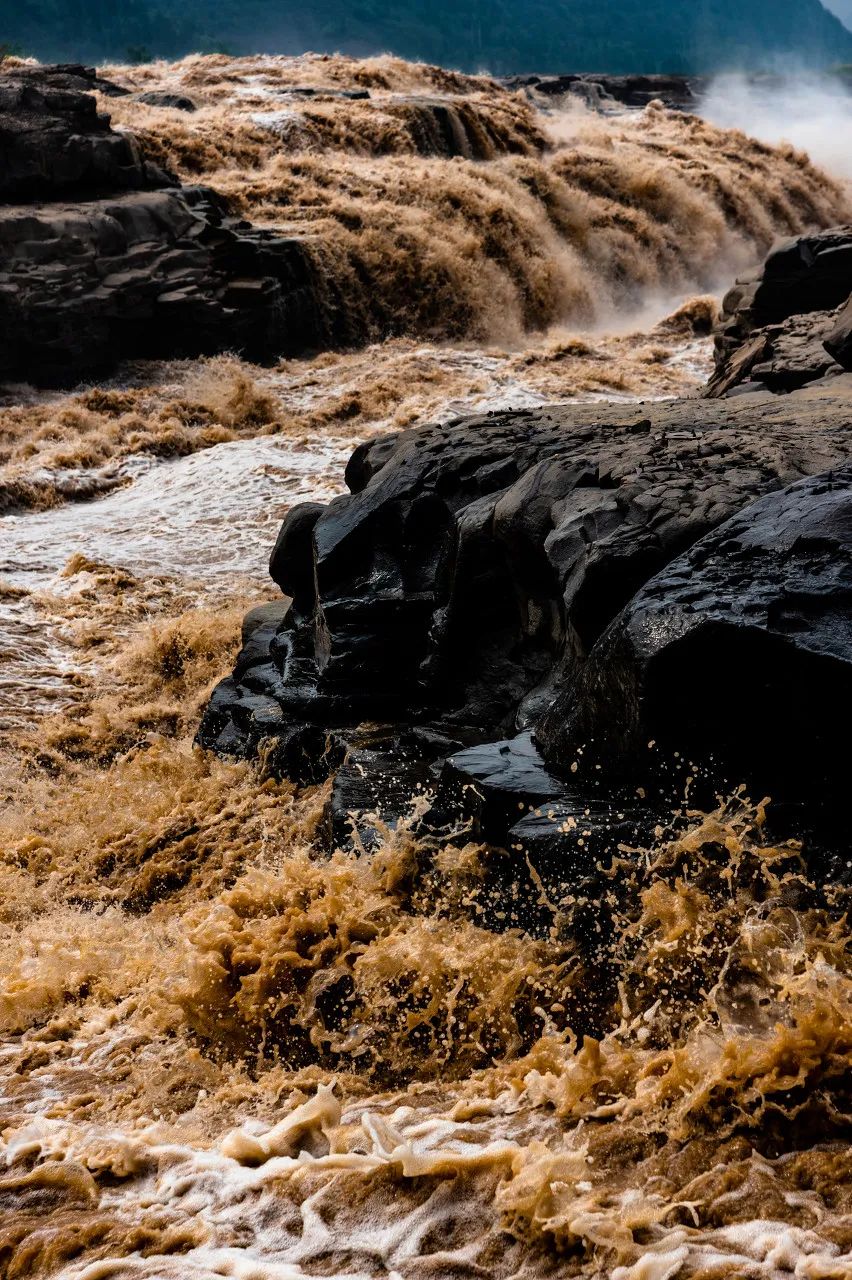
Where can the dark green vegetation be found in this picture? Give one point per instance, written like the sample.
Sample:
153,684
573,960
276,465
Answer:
497,35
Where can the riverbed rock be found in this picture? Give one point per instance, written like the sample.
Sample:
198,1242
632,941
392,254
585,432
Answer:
601,91
781,357
103,256
473,567
170,101
145,274
838,343
492,784
776,322
738,655
55,144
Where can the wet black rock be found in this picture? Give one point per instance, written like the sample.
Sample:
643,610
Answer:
154,273
738,655
73,76
581,829
777,324
103,256
473,568
386,773
681,92
572,845
491,785
55,144
171,101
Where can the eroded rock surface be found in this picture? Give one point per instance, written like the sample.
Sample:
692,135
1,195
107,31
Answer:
740,649
778,325
170,101
104,256
55,143
839,340
473,568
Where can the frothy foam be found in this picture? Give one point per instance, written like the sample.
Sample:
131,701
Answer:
531,222
226,1055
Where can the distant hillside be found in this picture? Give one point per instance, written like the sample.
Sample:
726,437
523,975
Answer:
498,35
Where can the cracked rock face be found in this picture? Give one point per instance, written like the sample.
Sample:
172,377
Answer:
779,327
741,647
839,340
469,575
104,257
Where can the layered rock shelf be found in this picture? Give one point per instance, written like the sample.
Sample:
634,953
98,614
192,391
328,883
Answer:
104,256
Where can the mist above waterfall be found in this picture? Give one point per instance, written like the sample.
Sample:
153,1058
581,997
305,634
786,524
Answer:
813,113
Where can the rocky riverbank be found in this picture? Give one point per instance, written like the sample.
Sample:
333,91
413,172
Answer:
609,583
473,584
106,256
396,981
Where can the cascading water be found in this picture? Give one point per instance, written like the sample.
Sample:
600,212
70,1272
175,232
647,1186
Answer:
226,1055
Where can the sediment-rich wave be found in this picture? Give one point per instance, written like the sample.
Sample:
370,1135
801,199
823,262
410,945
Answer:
349,1073
58,449
226,1055
534,221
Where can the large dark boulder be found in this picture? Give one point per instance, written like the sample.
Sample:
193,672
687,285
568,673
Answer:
103,256
804,274
738,655
473,567
776,324
55,144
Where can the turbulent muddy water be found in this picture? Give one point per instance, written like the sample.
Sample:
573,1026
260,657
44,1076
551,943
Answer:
226,1055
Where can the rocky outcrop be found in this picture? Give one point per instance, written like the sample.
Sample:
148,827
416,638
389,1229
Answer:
838,343
739,650
780,357
777,324
151,273
601,91
55,144
103,256
170,101
472,570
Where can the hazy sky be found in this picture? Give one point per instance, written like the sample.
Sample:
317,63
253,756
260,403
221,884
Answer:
843,9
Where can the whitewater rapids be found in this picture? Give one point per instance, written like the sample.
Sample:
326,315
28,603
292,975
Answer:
225,1055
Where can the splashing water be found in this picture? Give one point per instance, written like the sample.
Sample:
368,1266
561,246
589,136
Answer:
226,1055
